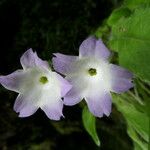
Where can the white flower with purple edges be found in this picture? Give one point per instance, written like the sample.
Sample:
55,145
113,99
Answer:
38,87
92,76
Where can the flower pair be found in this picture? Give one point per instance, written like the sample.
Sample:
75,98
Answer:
88,76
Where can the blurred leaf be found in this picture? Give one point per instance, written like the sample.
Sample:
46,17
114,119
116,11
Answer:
140,144
144,91
89,122
136,146
117,14
46,145
130,37
101,31
134,3
138,119
138,122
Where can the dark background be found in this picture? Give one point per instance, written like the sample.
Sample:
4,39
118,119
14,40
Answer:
51,26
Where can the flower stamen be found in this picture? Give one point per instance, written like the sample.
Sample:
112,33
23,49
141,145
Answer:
43,79
92,71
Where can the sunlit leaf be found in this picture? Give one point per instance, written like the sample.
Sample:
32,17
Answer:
117,14
131,38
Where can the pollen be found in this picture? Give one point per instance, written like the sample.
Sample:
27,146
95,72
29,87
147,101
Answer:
92,71
43,79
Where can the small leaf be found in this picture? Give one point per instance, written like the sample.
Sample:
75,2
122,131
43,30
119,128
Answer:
89,122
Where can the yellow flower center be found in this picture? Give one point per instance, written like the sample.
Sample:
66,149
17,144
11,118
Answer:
92,71
43,79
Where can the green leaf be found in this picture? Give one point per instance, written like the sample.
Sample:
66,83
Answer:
131,38
139,144
137,147
89,122
138,122
134,3
117,14
102,31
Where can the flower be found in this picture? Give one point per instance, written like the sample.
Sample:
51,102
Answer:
92,76
38,87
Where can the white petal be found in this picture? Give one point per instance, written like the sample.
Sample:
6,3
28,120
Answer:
62,63
14,80
30,59
26,104
64,85
72,97
51,103
53,111
93,47
99,102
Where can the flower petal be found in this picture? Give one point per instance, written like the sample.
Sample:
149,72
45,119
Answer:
99,104
21,81
120,85
87,47
30,59
25,106
72,97
101,50
62,63
64,84
53,110
119,72
13,81
93,47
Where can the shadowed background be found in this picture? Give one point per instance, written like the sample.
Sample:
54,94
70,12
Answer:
50,26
